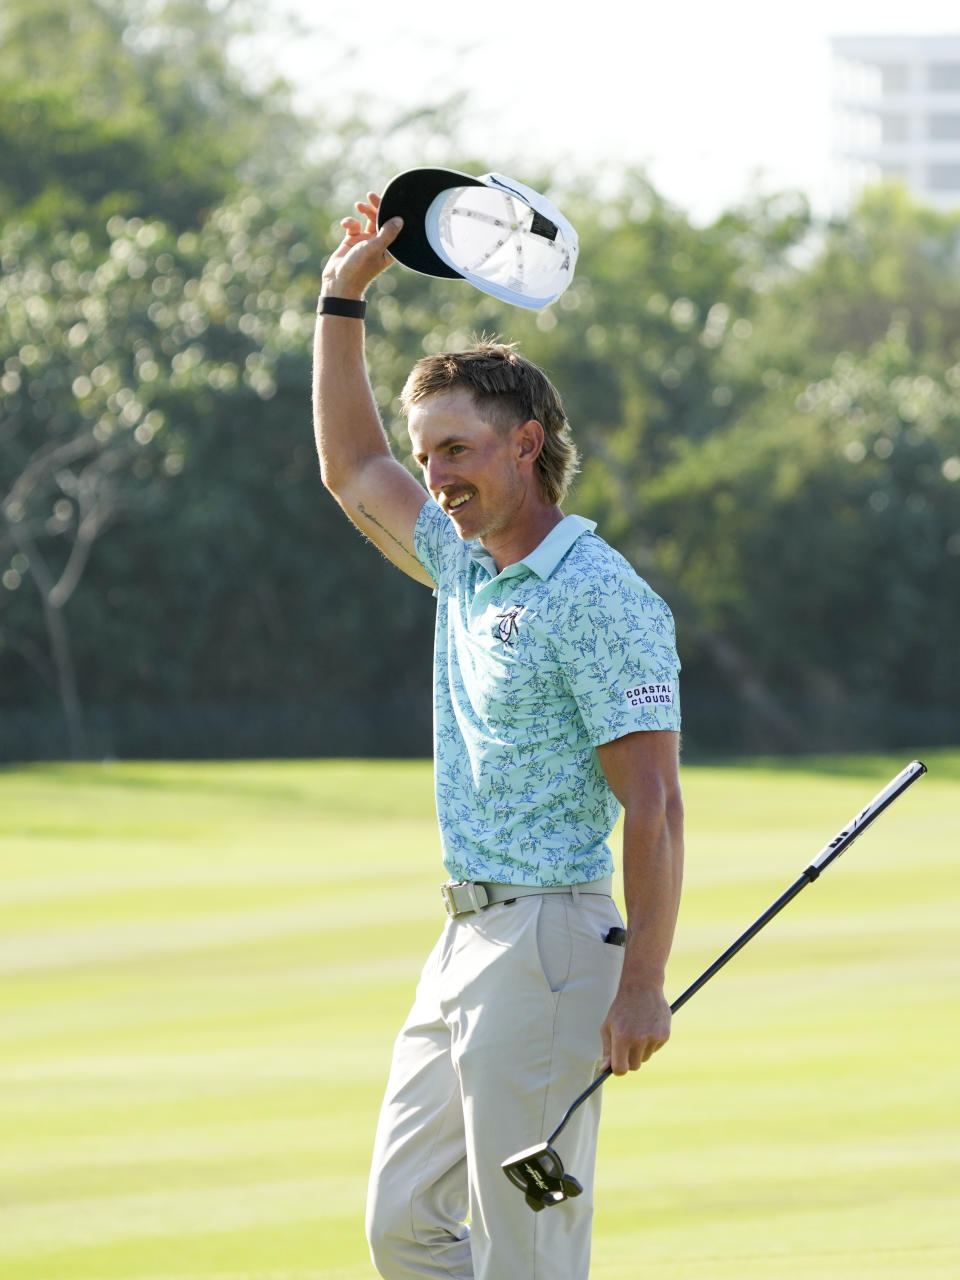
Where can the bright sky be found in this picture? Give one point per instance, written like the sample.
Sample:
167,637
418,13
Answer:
712,98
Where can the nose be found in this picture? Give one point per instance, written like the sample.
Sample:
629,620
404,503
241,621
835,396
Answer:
434,473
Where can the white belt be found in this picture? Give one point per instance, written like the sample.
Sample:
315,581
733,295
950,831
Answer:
460,897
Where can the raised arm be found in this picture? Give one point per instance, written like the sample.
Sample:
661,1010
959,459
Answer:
378,494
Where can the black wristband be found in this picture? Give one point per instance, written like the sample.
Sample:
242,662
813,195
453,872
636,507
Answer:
355,308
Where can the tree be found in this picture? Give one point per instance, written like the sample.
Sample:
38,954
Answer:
110,105
890,259
768,421
134,108
83,436
820,540
164,384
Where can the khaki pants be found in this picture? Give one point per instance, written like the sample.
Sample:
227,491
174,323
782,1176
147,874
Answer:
503,1035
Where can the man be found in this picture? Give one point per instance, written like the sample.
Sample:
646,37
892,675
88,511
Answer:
555,703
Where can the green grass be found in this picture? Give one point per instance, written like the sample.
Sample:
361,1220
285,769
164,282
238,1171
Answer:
202,968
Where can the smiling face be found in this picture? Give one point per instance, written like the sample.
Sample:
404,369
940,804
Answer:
480,474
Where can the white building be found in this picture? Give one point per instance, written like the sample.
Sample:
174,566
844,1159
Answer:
898,114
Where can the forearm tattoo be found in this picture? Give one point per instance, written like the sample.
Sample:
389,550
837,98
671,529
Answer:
368,515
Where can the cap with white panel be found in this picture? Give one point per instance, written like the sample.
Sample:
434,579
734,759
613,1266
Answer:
503,237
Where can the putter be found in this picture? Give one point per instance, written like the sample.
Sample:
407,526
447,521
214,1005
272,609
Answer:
538,1171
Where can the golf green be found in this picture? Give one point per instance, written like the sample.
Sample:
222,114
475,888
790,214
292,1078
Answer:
203,967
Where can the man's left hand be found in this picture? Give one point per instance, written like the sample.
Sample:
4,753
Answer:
637,1025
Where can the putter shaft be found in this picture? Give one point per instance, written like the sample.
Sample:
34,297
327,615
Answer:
829,853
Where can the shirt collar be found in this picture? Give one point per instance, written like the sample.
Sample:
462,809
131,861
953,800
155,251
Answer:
545,557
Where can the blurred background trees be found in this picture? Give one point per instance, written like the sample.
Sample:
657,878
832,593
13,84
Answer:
769,412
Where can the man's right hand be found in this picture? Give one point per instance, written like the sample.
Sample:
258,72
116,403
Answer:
363,253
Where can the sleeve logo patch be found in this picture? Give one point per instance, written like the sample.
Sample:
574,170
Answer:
649,695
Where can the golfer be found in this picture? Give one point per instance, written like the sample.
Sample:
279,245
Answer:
555,703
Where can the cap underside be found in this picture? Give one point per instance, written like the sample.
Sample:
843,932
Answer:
410,195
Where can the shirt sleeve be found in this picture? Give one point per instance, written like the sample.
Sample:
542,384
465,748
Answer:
617,643
431,539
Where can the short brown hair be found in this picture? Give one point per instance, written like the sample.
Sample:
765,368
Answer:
507,389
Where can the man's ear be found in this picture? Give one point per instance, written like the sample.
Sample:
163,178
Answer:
530,440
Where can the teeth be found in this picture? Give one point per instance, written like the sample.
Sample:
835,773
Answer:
458,502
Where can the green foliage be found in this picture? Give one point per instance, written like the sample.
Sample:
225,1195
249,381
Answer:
124,106
893,260
820,544
768,413
173,369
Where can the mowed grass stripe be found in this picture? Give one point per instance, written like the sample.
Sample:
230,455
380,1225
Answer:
206,964
179,1207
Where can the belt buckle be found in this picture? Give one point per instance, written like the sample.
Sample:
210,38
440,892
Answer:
460,897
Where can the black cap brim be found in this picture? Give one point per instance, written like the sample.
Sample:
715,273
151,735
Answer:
410,195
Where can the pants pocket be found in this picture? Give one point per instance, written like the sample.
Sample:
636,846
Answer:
554,942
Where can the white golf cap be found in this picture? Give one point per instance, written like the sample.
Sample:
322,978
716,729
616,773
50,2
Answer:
498,234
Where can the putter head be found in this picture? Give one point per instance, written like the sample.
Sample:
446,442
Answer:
538,1173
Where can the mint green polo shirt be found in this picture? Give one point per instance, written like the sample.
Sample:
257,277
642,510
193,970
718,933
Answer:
534,668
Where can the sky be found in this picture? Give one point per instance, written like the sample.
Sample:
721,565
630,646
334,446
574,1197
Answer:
713,100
